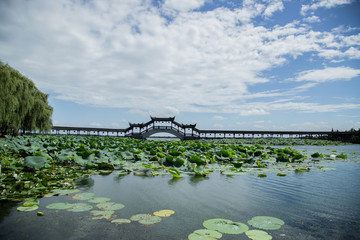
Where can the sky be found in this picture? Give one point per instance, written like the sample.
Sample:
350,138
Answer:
237,65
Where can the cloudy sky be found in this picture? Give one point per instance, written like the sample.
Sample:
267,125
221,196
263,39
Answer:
227,64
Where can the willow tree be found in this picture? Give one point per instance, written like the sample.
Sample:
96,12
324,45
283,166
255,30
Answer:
22,105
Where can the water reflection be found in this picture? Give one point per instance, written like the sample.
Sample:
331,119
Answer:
84,183
5,209
195,180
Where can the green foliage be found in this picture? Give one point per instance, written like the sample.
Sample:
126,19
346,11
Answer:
22,106
35,162
32,166
342,156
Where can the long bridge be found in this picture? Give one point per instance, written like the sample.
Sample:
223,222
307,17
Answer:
190,132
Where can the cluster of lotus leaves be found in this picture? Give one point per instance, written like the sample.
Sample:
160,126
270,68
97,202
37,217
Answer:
217,226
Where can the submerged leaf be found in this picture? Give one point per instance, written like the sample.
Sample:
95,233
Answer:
80,207
65,191
265,222
225,226
164,213
121,221
99,200
146,219
83,196
60,205
110,206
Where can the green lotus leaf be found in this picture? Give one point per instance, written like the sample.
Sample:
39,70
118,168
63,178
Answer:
225,226
40,214
164,213
80,207
110,206
35,162
31,202
146,219
265,222
174,172
27,209
83,196
204,234
99,200
258,235
60,205
121,221
103,214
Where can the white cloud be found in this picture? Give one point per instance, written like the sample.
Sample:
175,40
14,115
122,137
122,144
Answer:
218,118
275,5
312,19
253,112
126,54
323,4
328,74
183,5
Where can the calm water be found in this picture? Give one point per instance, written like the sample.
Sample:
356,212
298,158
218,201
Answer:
314,205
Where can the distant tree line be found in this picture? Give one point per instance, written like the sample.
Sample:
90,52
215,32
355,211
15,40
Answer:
22,105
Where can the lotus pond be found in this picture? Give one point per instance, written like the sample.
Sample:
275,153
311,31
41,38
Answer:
63,187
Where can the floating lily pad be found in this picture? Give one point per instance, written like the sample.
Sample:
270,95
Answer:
80,207
60,205
103,214
164,213
100,212
225,226
99,200
40,214
83,196
121,221
204,234
258,235
27,209
31,202
110,206
29,205
265,222
146,219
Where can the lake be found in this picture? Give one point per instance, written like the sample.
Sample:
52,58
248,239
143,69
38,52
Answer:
313,205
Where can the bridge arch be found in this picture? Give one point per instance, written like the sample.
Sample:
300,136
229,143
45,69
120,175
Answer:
153,131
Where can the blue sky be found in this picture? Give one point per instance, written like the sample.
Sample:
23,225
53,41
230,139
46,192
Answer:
247,65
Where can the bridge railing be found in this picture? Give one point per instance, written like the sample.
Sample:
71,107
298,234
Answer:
162,128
